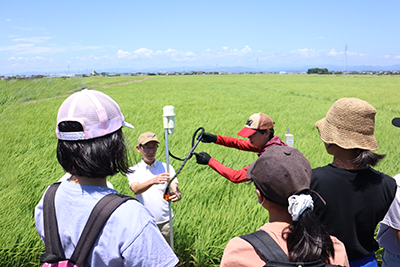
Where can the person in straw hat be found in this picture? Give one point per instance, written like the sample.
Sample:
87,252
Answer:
357,196
282,177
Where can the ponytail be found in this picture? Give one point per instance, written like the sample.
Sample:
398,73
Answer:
307,239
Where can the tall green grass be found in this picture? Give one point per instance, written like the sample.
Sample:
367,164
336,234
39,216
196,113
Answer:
212,210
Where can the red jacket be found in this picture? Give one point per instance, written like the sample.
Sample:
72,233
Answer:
239,176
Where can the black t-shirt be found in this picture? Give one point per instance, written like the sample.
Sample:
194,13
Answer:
356,201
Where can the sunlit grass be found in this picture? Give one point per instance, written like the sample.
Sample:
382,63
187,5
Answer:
213,210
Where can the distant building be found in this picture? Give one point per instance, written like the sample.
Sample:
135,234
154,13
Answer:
94,73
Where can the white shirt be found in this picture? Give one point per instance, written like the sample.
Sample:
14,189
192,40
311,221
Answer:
152,198
386,235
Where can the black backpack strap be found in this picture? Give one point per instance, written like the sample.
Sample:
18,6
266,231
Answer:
98,217
266,245
51,236
274,254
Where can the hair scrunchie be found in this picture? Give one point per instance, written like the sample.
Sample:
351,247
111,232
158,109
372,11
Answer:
298,204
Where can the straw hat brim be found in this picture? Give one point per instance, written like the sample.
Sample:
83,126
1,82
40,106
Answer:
344,138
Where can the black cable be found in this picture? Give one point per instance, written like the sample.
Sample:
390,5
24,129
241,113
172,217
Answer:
190,154
193,144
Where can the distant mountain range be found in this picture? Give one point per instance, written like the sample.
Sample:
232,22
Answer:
236,69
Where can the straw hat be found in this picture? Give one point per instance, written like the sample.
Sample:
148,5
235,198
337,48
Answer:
349,123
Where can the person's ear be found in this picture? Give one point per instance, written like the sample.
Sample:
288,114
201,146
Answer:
260,197
138,149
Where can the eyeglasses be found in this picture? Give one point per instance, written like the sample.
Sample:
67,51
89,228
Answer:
149,148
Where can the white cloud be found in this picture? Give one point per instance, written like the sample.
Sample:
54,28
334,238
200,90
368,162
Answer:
29,45
23,28
143,58
333,53
32,39
170,51
246,49
8,19
144,52
122,54
305,52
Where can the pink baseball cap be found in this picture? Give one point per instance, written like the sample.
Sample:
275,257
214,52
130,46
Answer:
258,121
98,114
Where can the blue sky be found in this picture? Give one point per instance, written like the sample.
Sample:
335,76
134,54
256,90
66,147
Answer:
51,36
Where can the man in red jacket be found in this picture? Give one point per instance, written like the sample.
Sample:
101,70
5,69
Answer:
259,129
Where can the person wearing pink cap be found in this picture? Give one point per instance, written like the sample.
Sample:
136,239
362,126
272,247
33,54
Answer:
259,129
91,147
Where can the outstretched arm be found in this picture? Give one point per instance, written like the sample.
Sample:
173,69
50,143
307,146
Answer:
228,141
139,188
232,175
237,143
235,176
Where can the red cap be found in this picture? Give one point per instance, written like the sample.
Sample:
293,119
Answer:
258,121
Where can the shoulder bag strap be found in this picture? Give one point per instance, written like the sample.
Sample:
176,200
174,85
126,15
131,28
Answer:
266,245
98,217
51,235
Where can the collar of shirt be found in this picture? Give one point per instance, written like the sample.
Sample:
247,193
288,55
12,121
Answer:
152,166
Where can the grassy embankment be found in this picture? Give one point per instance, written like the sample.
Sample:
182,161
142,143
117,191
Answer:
213,210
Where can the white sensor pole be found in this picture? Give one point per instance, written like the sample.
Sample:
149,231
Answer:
289,138
169,125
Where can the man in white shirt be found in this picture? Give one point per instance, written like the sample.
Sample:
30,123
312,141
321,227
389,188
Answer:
149,181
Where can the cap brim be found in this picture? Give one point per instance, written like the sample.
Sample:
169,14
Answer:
127,124
396,122
246,132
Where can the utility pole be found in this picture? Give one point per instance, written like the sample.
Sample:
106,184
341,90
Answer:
345,61
257,65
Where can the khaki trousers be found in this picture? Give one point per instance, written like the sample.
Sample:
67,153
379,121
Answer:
165,231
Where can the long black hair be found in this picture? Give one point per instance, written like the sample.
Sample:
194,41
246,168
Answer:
94,158
307,239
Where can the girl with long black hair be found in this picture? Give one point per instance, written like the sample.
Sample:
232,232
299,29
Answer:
282,177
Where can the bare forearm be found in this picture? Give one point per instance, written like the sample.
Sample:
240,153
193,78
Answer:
139,188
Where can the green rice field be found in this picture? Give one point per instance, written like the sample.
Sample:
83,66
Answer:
212,210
